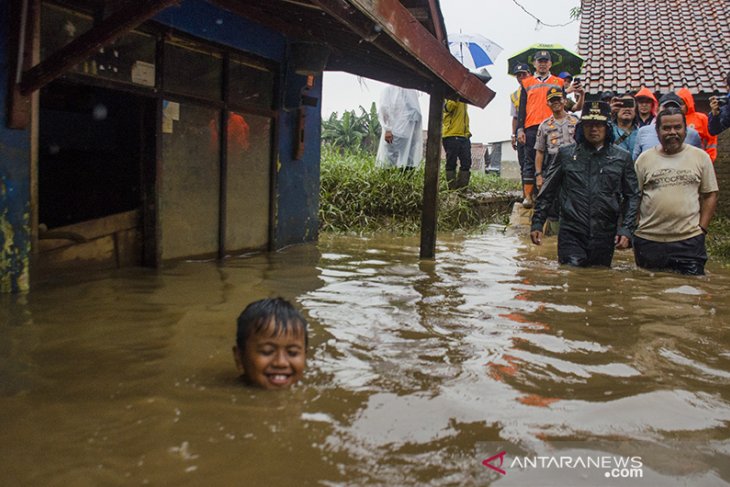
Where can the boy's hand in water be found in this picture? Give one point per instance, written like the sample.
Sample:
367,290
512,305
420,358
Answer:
536,237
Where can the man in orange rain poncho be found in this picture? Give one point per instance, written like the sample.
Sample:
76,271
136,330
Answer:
700,123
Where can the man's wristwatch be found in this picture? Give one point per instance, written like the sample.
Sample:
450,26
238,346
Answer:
704,230
539,173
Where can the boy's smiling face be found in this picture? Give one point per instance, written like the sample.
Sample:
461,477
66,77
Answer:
272,361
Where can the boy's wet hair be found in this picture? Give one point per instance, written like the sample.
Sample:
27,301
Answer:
257,316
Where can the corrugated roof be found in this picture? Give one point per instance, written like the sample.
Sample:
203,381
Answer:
661,44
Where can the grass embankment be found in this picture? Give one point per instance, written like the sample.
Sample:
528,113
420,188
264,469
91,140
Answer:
358,197
718,240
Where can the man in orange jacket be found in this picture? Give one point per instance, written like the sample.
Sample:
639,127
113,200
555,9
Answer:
532,112
700,123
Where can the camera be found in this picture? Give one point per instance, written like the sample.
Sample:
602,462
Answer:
627,102
576,80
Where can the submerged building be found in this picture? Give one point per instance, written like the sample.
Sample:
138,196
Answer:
137,132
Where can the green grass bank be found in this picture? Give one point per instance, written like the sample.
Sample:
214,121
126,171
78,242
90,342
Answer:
358,197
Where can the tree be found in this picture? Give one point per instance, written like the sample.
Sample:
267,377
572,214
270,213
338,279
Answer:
346,133
371,125
353,132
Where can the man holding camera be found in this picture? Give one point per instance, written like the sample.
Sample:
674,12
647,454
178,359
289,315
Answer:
625,130
719,118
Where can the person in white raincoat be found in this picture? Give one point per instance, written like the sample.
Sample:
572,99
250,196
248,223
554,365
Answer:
401,143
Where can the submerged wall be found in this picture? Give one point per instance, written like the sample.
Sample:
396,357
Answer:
296,182
14,182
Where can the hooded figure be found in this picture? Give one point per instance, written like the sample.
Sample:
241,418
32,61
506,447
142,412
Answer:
700,123
648,117
401,144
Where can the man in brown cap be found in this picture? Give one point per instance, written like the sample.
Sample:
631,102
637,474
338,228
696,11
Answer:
555,132
552,134
593,177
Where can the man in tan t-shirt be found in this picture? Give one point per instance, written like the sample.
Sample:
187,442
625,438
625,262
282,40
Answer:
678,199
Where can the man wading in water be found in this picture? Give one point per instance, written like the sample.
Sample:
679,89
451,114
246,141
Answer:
593,176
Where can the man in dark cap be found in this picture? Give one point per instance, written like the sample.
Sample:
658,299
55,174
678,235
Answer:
647,138
593,177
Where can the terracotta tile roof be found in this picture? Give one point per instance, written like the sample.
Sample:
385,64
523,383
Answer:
661,44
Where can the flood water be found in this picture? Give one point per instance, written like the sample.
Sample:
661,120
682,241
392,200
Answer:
417,372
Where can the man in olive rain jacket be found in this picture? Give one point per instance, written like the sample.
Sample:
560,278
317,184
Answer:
598,188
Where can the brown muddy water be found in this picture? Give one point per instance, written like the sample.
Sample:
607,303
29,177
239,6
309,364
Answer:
417,372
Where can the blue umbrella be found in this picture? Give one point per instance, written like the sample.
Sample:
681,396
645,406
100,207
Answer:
473,50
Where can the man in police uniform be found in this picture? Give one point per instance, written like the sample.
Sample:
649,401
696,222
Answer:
552,134
598,188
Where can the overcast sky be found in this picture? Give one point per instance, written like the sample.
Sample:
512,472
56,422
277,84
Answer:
499,20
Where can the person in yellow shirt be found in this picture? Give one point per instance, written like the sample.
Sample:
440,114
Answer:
457,143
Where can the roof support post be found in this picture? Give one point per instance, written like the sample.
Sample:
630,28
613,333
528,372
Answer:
429,213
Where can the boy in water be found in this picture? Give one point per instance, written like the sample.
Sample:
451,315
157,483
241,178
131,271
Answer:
271,344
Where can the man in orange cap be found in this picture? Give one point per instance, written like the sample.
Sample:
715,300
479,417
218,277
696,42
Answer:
646,107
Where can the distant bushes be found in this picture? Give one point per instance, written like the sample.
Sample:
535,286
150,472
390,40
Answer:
356,196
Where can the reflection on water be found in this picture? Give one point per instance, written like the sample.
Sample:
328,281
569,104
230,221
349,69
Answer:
417,371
